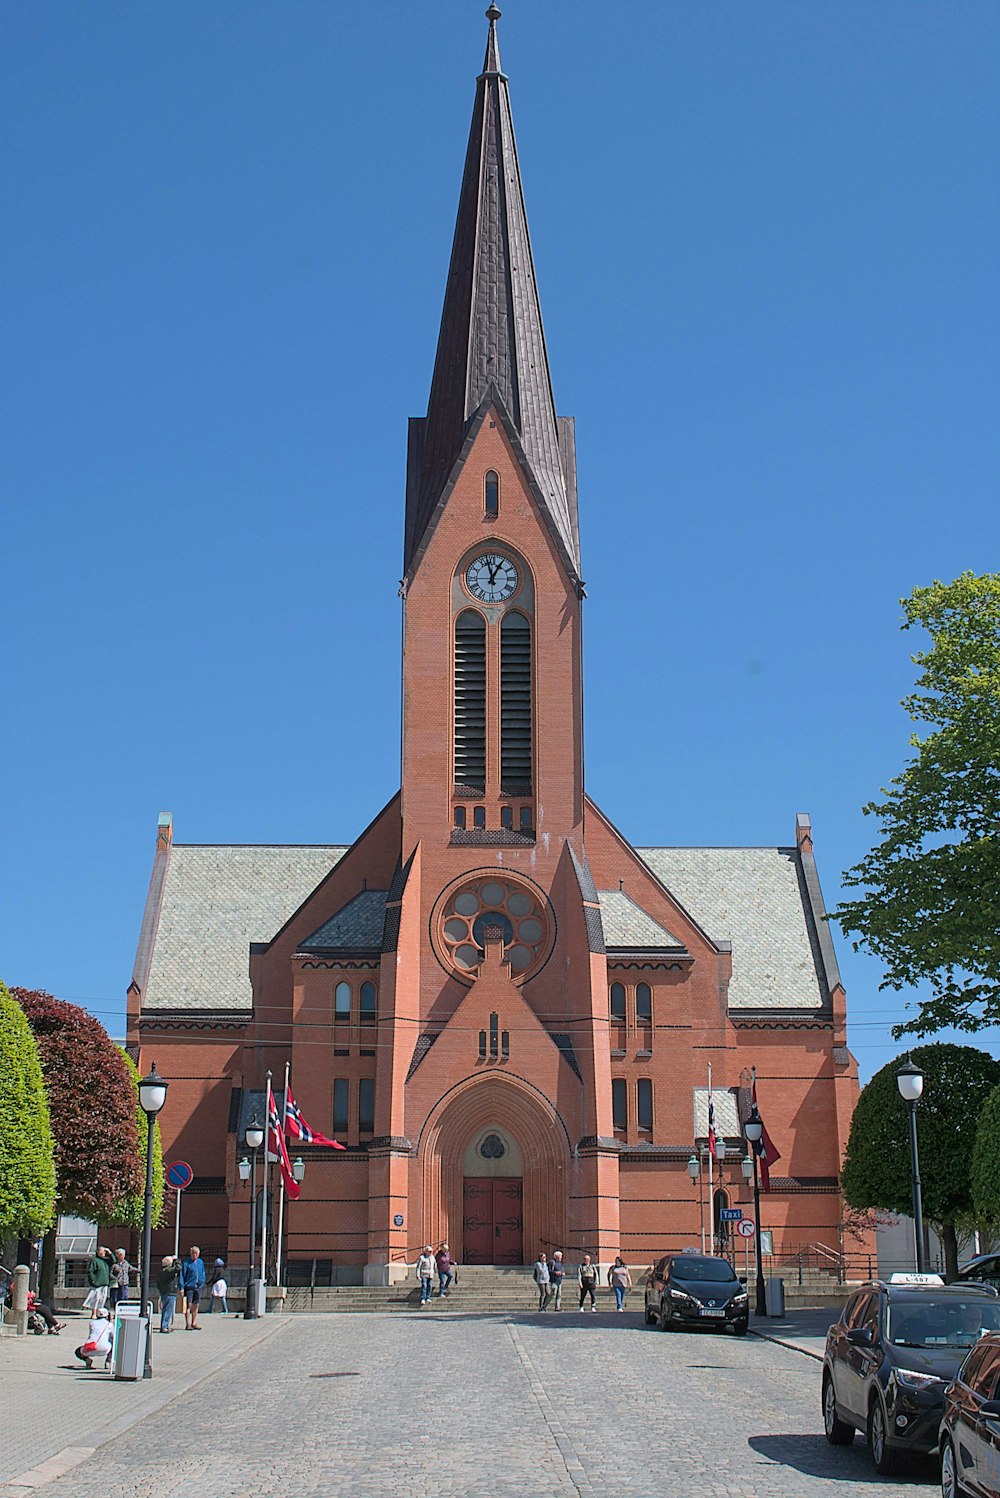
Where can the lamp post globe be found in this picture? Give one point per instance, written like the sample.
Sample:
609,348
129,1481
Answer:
299,1169
910,1081
753,1130
693,1167
746,1165
152,1096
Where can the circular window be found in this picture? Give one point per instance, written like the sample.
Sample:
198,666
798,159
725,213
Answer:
493,910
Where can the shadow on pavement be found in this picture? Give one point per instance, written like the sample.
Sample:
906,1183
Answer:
811,1455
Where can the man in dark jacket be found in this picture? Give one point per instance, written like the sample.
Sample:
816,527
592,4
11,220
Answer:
168,1285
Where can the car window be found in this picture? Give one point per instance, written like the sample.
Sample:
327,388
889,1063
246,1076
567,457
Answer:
989,1269
854,1313
984,1379
703,1271
661,1267
920,1321
870,1316
970,1368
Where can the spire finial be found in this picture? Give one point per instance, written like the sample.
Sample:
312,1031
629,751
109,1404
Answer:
492,63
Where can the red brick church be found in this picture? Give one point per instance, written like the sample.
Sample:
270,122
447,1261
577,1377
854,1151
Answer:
503,1009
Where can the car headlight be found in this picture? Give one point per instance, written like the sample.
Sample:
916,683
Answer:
741,1299
909,1378
680,1295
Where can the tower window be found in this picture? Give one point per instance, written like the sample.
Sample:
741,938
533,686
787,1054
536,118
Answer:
479,816
507,817
644,1103
459,816
341,1089
515,700
618,1001
491,495
342,1001
525,815
619,1103
643,1003
369,1000
366,1105
470,699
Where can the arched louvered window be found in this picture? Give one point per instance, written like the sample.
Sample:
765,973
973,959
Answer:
470,699
618,1001
491,495
515,701
643,1003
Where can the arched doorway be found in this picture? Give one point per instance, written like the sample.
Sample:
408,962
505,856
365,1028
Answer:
534,1141
492,1198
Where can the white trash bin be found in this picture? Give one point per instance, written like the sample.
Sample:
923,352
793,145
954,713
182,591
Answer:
774,1297
128,1357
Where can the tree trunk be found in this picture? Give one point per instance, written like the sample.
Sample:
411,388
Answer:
47,1270
950,1240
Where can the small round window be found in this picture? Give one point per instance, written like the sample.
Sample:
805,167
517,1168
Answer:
493,910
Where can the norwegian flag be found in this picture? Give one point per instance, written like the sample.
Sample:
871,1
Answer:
276,1145
765,1150
711,1128
297,1128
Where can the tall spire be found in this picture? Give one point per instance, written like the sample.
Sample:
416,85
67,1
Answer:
491,344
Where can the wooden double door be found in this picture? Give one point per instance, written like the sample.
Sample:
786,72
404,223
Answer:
492,1221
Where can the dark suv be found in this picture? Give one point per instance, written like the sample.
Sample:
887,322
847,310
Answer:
970,1430
696,1289
889,1358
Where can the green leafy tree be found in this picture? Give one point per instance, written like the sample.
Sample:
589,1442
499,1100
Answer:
92,1108
986,1164
930,907
958,1079
129,1211
27,1161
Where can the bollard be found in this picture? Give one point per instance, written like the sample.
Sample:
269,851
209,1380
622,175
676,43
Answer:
19,1300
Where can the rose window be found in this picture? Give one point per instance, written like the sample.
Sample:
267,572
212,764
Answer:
493,910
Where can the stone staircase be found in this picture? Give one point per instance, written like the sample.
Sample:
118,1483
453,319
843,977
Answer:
482,1289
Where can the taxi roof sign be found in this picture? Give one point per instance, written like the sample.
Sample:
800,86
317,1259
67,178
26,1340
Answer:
915,1279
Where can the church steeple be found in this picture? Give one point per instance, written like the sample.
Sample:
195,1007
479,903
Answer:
491,345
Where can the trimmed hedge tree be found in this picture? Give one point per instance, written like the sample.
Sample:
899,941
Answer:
986,1164
27,1160
957,1081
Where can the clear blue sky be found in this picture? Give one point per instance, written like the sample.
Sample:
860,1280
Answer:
767,238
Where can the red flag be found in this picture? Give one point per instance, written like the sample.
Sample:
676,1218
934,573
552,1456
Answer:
276,1144
297,1128
765,1150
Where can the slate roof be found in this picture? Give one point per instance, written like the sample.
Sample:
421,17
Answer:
356,927
491,343
727,1118
217,899
626,924
756,899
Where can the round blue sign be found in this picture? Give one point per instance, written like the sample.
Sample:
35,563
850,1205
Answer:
397,1221
179,1175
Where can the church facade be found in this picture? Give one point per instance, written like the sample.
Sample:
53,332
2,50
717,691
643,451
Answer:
504,1011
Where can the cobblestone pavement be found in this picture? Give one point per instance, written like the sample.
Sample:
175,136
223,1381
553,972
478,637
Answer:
462,1406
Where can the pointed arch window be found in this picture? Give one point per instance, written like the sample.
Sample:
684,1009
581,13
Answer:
491,495
470,699
515,701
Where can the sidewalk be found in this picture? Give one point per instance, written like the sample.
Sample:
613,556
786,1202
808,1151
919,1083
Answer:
804,1331
54,1414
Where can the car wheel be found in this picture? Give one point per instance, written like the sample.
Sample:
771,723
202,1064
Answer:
950,1485
837,1431
887,1459
664,1317
651,1316
741,1328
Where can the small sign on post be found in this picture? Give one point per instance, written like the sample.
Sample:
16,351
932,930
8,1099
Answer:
745,1227
179,1176
731,1214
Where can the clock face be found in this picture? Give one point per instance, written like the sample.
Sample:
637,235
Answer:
491,578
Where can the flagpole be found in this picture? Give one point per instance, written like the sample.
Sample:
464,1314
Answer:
263,1204
711,1193
281,1198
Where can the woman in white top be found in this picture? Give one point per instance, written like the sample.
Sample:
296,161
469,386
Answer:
100,1340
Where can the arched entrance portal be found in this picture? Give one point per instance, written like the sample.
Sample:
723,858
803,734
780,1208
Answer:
494,1155
492,1196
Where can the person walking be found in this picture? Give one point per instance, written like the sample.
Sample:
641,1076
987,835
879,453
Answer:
192,1284
168,1285
99,1280
219,1291
425,1267
620,1281
541,1277
587,1278
557,1273
120,1271
445,1269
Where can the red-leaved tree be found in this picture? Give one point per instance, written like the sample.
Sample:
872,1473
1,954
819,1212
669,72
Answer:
92,1108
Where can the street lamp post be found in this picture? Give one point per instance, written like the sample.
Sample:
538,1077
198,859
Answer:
719,1230
694,1170
753,1129
254,1138
910,1081
152,1096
